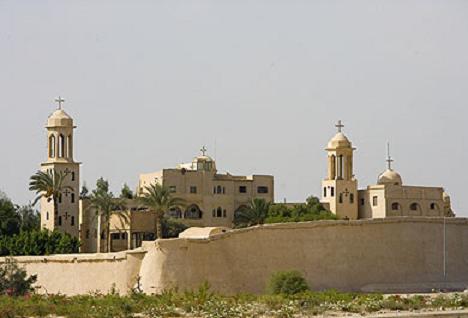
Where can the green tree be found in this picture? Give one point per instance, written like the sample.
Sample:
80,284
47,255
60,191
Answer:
160,200
126,192
9,219
171,228
105,204
49,185
287,283
14,280
30,218
254,214
84,193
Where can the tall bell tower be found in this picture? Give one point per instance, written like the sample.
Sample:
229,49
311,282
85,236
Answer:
60,159
339,189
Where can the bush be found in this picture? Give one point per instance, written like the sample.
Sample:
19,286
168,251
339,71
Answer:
14,280
288,283
172,228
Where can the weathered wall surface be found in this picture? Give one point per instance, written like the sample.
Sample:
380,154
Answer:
85,273
391,255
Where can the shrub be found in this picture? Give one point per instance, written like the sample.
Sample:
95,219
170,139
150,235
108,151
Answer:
172,228
288,283
14,280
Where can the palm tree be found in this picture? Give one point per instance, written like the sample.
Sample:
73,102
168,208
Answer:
254,214
160,200
49,185
105,204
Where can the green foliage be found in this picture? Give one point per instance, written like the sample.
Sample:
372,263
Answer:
30,218
126,192
38,243
254,214
287,283
171,228
84,193
14,280
14,219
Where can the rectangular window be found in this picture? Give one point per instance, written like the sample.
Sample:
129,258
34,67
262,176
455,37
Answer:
351,198
72,221
193,189
325,192
73,176
115,236
332,191
363,201
72,198
59,220
340,198
242,189
172,189
262,189
375,201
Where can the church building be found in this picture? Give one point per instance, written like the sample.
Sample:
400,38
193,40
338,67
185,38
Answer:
389,197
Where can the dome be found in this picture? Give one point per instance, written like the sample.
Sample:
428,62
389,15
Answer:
59,118
339,141
204,163
390,177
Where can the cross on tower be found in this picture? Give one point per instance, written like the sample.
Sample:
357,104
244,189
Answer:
389,158
346,192
59,100
67,192
203,150
339,125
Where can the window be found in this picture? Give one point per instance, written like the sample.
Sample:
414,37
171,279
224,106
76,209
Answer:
172,189
72,198
219,212
363,201
72,176
340,198
414,207
395,206
61,148
52,146
332,192
434,206
351,198
47,215
175,213
193,212
219,190
193,189
87,234
375,201
69,146
115,236
60,198
325,192
72,221
262,189
242,189
59,220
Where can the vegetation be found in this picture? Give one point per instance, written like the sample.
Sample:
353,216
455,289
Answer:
126,192
171,228
14,219
160,200
204,303
38,243
14,280
260,212
49,185
105,204
287,283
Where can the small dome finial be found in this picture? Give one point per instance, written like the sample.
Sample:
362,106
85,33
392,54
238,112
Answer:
389,158
203,150
339,125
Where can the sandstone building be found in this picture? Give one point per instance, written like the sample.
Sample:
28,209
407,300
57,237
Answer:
388,198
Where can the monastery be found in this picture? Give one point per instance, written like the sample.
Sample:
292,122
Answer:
213,198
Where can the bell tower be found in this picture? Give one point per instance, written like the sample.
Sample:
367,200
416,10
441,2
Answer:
60,159
339,189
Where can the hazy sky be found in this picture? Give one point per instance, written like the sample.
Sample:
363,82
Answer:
149,82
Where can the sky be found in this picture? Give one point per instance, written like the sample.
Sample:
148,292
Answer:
261,83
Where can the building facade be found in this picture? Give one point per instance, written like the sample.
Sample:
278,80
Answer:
60,159
388,198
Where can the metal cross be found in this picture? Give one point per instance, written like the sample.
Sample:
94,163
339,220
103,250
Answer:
59,100
339,125
389,158
203,150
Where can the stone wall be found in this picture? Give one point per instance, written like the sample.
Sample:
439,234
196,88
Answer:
390,255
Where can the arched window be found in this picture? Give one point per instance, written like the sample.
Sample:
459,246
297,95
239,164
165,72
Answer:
61,146
219,212
395,206
193,212
175,213
340,198
59,220
434,206
414,207
332,191
47,215
325,192
351,198
52,146
219,189
69,147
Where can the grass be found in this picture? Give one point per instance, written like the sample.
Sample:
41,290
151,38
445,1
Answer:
204,303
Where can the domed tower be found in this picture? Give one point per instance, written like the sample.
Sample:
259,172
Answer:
339,189
60,158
